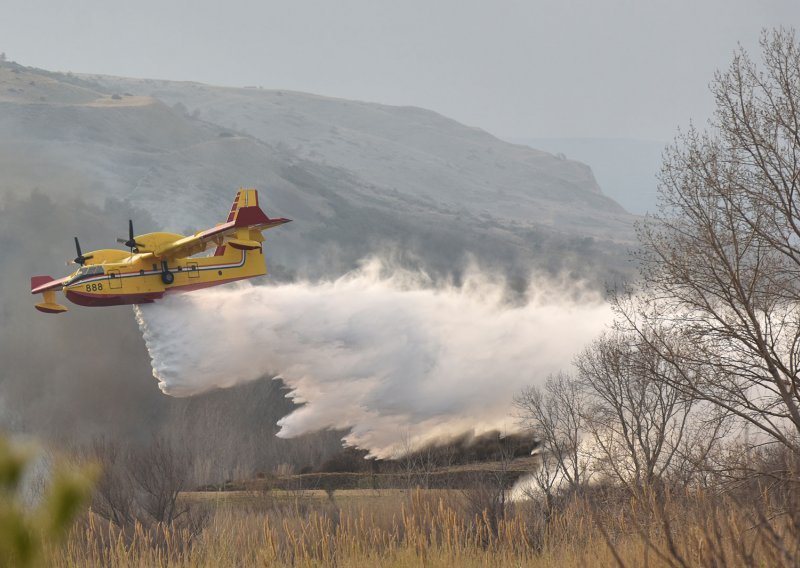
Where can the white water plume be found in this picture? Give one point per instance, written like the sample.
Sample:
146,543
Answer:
395,359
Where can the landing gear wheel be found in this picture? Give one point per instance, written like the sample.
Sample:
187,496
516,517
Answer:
167,277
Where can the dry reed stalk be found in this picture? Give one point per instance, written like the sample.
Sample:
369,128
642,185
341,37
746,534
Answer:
432,529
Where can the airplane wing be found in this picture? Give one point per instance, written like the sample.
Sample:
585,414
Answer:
245,214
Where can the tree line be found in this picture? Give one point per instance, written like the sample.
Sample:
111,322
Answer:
696,386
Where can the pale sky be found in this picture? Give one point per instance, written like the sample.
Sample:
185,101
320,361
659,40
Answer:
535,68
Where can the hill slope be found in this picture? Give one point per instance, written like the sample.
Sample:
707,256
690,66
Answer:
358,178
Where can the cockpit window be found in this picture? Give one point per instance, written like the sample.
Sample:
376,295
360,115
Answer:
85,272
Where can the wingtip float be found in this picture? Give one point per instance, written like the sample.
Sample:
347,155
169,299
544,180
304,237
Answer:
161,263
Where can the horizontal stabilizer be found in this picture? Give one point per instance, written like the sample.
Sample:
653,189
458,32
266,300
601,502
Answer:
245,215
256,218
246,212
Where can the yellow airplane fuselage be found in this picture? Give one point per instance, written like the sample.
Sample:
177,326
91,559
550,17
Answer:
141,279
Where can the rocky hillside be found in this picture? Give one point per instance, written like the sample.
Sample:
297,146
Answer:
358,178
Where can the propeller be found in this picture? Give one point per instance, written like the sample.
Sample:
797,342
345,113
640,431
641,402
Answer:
80,259
131,242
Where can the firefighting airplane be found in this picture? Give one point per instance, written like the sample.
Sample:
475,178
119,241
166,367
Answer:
160,263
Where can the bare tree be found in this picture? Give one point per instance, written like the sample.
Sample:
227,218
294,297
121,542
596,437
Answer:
113,496
142,484
419,464
621,418
642,427
556,414
160,472
721,260
488,491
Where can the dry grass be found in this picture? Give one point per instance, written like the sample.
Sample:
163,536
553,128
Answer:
432,528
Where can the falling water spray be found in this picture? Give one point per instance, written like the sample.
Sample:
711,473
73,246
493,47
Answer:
392,358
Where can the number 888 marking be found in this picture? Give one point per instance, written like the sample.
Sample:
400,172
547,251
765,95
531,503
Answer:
94,287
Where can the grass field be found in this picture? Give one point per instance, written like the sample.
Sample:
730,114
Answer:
428,528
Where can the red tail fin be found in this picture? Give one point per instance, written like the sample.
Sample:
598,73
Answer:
245,213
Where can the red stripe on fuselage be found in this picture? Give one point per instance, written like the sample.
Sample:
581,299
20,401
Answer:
98,300
87,299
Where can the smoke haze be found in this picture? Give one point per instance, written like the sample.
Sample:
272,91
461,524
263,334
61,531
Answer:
384,353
